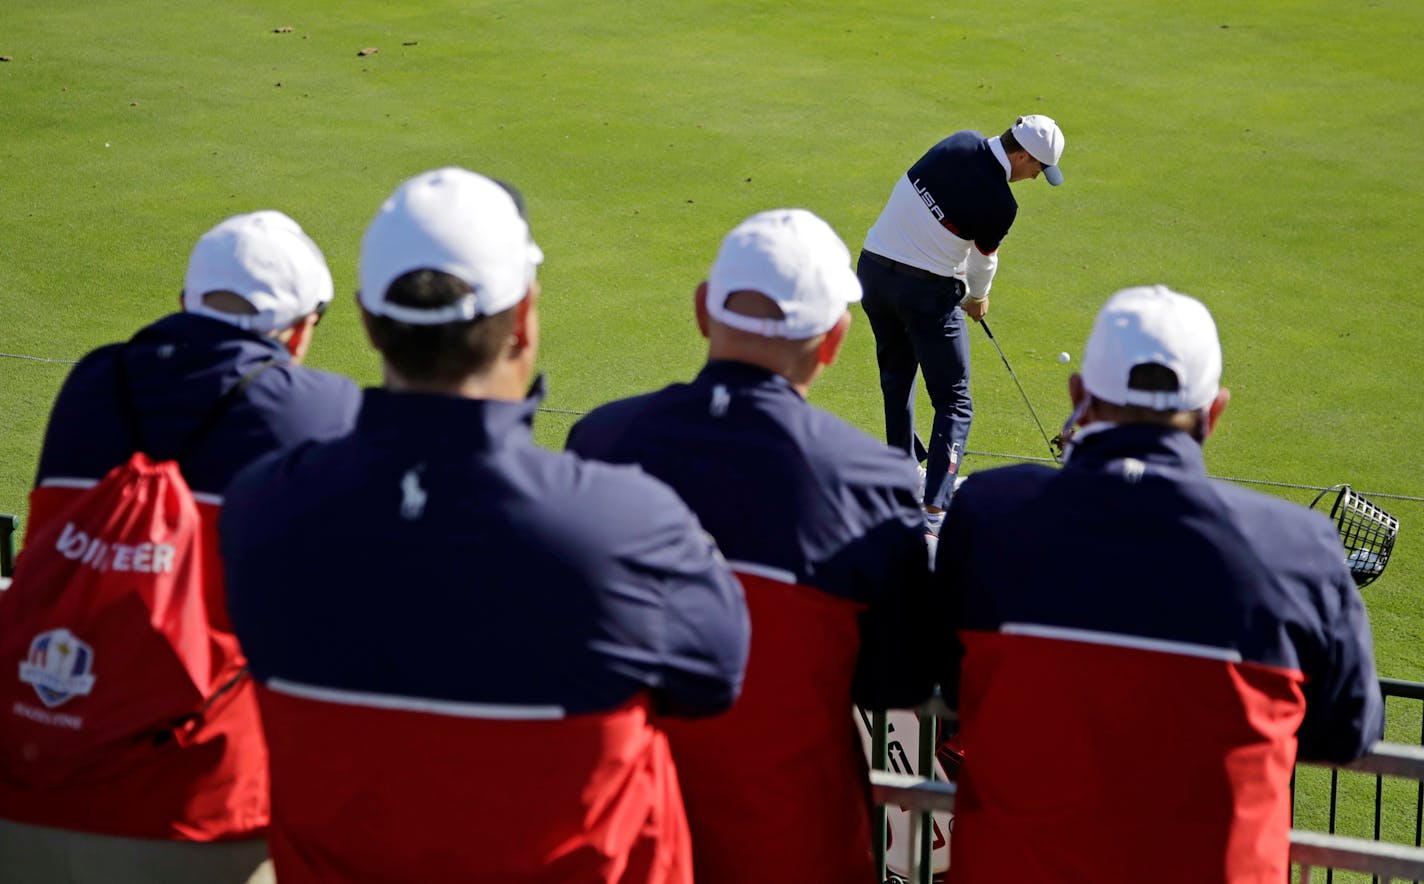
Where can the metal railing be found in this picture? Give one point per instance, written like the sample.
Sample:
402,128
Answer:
1382,859
1404,716
1309,850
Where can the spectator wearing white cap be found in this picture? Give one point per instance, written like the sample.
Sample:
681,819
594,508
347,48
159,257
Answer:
929,260
820,522
1141,652
194,809
466,644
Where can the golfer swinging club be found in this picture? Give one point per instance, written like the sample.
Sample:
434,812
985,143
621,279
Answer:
928,261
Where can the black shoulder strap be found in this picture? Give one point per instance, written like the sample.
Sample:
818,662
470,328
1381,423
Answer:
220,408
128,412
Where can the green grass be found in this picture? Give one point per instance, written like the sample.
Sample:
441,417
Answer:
1265,157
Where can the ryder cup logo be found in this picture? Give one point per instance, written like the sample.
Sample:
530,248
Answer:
59,667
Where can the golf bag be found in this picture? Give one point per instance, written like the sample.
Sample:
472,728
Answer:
903,748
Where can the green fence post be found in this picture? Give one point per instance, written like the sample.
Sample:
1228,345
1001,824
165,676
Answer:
928,734
879,760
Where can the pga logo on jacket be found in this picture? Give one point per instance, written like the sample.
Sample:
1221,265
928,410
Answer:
59,667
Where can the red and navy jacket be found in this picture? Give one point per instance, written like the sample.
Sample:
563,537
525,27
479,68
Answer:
464,645
966,182
821,524
1142,654
214,785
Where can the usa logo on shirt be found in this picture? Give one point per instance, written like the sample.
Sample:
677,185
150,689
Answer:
59,667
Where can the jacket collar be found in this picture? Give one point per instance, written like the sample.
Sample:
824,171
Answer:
996,147
437,421
1154,445
743,374
205,332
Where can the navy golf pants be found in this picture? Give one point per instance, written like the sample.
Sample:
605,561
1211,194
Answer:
919,327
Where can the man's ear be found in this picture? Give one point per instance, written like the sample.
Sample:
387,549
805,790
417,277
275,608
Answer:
299,337
1214,410
366,324
699,307
830,346
1076,391
1082,404
526,318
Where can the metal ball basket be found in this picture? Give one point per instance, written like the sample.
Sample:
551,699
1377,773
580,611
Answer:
1367,532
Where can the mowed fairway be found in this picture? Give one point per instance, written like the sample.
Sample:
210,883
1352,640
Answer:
1266,157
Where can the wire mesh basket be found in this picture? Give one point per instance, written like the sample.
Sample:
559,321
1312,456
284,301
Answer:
1366,531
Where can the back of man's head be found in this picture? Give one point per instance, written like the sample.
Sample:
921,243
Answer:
777,291
795,260
1153,354
259,272
444,264
792,259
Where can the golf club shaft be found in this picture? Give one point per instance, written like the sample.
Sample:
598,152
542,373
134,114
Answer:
985,324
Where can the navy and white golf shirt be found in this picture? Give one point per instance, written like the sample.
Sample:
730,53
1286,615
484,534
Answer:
949,213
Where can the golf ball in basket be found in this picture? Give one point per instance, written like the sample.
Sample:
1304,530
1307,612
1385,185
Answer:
1064,357
1362,559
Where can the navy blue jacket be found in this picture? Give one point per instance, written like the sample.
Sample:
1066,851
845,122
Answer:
786,486
1142,650
492,627
521,576
821,525
177,368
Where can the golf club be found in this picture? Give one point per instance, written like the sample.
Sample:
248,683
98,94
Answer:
1053,449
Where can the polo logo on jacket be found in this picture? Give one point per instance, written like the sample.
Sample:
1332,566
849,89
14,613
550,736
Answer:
721,401
1133,469
413,496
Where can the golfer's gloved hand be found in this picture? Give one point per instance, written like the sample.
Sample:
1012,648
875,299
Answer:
975,309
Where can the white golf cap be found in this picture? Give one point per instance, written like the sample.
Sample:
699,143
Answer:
1153,325
457,222
264,258
795,259
1041,137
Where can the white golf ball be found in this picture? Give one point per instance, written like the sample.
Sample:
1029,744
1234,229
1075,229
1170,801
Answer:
1363,560
1064,357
